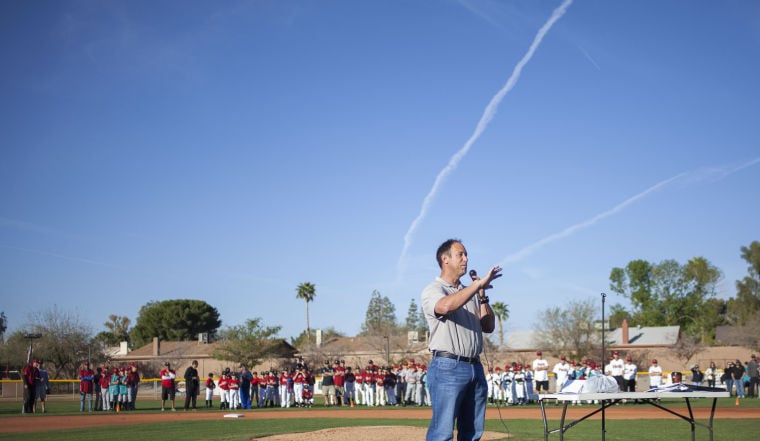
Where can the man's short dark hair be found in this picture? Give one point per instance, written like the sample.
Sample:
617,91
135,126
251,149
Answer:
445,248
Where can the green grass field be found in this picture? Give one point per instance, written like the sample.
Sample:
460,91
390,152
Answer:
244,429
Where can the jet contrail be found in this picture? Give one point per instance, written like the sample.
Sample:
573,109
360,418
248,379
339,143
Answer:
485,119
721,173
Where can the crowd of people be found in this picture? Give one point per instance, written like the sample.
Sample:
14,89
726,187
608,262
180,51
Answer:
115,389
108,388
340,385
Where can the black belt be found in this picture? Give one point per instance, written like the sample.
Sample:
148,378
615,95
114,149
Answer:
471,360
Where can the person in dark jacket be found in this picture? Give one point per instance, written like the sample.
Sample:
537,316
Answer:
192,385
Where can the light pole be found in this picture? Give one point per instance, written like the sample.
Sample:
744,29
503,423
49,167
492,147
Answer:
31,338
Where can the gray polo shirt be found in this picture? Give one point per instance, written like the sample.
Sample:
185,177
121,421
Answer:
459,331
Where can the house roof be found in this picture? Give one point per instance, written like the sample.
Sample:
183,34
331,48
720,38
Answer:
645,336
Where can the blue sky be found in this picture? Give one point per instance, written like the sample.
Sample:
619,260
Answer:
228,151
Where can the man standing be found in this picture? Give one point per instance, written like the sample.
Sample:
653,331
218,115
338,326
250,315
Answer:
42,385
167,385
617,365
457,316
133,385
629,375
86,386
29,375
655,374
192,385
541,373
245,379
561,373
754,377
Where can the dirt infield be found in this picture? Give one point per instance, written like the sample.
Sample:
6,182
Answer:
22,423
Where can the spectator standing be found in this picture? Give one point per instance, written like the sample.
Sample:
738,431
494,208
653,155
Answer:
421,376
541,373
339,371
105,382
168,385
738,376
133,385
328,384
655,374
728,377
96,384
123,390
261,380
629,375
245,379
29,375
711,374
254,389
350,386
224,390
86,387
561,373
754,377
617,365
210,386
234,384
697,377
41,385
192,385
299,381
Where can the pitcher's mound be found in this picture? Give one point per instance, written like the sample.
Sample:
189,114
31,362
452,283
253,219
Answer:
367,433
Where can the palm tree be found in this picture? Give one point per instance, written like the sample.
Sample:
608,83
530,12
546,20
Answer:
306,291
501,312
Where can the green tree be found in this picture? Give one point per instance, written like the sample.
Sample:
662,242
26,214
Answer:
249,343
174,320
306,291
380,318
117,330
618,313
64,343
702,278
412,317
501,313
668,293
568,330
746,306
635,283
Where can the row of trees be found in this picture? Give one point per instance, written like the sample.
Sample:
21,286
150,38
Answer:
663,294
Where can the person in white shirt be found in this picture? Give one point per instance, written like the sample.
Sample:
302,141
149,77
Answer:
616,369
561,373
541,373
629,375
655,374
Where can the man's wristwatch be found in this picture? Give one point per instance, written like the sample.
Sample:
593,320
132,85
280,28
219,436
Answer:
483,300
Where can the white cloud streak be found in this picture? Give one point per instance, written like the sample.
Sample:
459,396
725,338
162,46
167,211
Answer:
485,119
687,177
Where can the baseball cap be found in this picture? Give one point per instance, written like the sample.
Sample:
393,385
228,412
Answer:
654,360
538,353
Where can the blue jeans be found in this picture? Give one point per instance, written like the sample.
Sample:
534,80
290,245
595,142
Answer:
729,385
458,391
739,384
82,400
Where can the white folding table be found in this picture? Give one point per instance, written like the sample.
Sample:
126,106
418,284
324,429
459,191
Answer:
606,400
